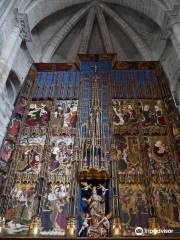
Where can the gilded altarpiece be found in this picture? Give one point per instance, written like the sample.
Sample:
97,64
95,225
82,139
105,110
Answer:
146,166
91,151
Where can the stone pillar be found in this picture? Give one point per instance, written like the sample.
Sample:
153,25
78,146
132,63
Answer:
175,37
7,57
116,226
10,48
171,27
9,51
171,30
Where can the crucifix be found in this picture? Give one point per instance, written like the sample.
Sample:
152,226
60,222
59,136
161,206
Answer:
95,68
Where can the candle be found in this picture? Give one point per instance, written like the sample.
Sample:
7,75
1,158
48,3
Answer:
35,231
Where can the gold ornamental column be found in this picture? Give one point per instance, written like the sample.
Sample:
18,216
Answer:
116,228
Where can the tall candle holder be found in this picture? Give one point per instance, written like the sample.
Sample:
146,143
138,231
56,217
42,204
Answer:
2,224
71,229
35,226
116,229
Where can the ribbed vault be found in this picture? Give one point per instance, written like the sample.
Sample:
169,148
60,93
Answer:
132,29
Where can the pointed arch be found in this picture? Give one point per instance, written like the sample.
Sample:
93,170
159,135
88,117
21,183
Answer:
58,37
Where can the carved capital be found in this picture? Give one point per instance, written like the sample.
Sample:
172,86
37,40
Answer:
170,18
23,24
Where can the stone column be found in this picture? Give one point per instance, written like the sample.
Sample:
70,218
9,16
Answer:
10,48
9,51
175,37
171,27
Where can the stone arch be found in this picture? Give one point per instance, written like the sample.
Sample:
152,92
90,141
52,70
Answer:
58,37
37,11
135,38
13,85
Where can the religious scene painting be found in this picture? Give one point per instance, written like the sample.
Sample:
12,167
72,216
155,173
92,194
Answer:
61,154
21,106
167,200
133,208
152,113
94,218
16,120
20,209
30,160
30,154
38,115
127,154
65,115
159,156
14,126
55,209
125,112
6,151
